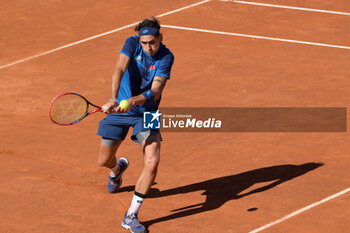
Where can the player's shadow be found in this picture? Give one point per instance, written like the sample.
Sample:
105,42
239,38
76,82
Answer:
220,190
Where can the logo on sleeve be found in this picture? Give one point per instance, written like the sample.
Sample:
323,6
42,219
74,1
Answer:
152,67
138,59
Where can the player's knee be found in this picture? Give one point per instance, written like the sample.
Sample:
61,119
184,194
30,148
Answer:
101,163
151,163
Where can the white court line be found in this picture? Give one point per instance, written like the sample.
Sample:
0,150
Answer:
96,36
300,211
288,7
183,8
257,37
66,46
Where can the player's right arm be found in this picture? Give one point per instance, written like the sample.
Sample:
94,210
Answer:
121,66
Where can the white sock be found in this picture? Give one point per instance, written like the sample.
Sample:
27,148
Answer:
112,174
136,203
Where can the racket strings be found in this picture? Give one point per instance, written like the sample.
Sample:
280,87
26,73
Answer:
68,108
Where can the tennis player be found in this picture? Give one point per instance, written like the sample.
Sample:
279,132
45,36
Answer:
142,70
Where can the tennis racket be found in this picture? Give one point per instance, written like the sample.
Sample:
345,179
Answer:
70,108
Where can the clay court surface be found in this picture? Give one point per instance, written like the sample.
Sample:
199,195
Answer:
233,182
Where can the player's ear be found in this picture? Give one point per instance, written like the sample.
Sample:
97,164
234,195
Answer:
160,37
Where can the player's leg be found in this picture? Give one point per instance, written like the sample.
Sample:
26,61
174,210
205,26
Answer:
151,156
150,143
107,152
107,158
112,134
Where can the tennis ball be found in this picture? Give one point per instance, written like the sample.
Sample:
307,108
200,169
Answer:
124,104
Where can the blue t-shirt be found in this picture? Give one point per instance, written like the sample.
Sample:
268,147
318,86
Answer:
141,71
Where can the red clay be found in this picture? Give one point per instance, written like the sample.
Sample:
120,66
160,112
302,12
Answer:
207,182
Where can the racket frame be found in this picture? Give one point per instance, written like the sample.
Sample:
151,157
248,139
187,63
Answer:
87,113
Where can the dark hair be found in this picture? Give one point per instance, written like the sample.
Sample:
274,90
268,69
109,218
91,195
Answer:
148,23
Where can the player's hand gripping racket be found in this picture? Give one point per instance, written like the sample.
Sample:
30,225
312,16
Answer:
70,108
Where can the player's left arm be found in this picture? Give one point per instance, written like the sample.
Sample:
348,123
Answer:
158,85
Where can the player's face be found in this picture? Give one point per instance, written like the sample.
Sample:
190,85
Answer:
150,44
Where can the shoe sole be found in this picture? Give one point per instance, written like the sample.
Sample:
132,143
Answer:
126,227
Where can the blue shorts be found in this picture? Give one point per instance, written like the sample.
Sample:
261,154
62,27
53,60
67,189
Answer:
117,126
